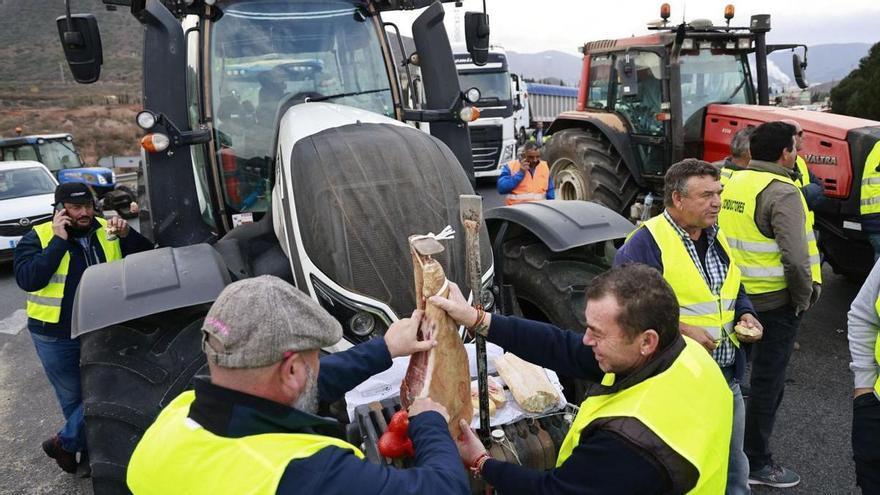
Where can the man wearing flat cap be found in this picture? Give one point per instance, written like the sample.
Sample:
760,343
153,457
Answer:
253,428
49,263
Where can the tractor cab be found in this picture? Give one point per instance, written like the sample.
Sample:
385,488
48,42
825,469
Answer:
55,151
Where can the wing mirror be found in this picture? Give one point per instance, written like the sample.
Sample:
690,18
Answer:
81,41
476,34
798,68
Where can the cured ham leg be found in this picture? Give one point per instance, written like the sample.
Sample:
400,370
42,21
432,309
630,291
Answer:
442,373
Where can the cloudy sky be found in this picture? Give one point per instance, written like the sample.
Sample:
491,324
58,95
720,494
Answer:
531,26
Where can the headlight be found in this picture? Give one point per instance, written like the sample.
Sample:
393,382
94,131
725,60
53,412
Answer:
113,177
359,321
362,324
102,180
472,95
506,154
745,43
146,120
687,44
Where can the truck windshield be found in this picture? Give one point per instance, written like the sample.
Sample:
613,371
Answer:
494,86
264,53
708,77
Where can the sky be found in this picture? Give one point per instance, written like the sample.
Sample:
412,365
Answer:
529,26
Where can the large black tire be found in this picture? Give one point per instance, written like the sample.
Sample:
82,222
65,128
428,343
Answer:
129,373
585,166
551,287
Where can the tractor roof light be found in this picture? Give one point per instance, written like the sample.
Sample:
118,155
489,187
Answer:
687,44
665,11
155,142
469,114
744,43
729,10
146,120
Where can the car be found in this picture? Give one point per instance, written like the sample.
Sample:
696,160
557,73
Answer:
27,191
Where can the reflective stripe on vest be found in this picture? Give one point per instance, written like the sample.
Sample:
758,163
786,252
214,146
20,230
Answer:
690,396
177,455
45,304
726,174
758,257
870,191
534,185
803,181
699,307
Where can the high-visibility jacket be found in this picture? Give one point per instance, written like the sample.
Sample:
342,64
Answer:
758,257
534,185
698,305
803,181
177,455
688,406
726,174
870,191
45,304
877,348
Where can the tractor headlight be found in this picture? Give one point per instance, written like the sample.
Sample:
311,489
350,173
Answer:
102,180
359,321
744,43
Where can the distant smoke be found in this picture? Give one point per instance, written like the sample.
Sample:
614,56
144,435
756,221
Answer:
775,73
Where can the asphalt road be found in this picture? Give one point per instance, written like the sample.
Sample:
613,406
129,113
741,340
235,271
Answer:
811,437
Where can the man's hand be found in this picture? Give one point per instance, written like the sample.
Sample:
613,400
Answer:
749,320
426,404
118,225
402,337
862,391
456,306
702,337
470,448
59,222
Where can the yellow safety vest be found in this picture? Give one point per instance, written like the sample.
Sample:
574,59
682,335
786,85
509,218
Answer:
877,347
757,256
45,304
803,181
870,192
534,185
699,307
177,455
688,406
726,174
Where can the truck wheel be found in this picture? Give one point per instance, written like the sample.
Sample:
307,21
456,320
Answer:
551,287
584,165
129,373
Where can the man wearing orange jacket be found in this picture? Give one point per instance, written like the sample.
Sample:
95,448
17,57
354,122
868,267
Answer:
528,180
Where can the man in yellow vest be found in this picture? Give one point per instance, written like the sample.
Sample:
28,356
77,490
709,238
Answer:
763,215
49,262
810,185
528,180
739,154
869,200
657,417
864,346
253,427
686,246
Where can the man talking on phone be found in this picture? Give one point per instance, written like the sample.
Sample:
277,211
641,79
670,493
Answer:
49,263
526,180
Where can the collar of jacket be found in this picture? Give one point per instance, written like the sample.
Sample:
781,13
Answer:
232,414
660,363
773,168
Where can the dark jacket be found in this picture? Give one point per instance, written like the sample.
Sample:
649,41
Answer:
333,470
642,248
603,462
34,266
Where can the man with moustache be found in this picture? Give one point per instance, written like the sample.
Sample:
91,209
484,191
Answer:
253,428
49,263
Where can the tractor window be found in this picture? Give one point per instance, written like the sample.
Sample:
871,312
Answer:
712,77
273,52
600,77
641,108
199,160
23,152
57,155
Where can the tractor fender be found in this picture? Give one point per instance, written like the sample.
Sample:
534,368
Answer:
147,283
610,125
562,225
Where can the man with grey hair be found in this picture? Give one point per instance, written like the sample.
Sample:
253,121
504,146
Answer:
685,245
740,156
253,427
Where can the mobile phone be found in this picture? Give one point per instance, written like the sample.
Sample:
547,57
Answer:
59,206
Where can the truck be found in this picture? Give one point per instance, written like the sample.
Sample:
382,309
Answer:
276,142
58,153
494,135
546,101
684,90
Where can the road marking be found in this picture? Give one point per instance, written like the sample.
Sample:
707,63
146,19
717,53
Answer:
14,323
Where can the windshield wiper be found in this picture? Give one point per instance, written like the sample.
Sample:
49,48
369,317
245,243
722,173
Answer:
343,95
736,91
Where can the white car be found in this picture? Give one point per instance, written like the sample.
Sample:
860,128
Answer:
27,190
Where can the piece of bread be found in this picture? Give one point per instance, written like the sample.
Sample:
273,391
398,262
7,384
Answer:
745,331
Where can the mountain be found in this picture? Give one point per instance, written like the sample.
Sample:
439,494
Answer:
825,63
551,63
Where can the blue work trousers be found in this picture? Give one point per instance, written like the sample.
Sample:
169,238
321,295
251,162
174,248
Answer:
738,463
60,358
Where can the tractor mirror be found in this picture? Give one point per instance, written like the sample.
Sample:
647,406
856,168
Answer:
798,69
628,76
476,34
81,41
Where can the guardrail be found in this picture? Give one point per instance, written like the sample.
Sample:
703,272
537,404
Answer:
129,180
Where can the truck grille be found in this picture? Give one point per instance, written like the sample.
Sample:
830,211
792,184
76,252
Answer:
486,144
16,228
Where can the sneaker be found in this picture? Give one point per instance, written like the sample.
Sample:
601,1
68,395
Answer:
65,460
774,475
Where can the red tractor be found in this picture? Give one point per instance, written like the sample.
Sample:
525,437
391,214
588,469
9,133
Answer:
682,91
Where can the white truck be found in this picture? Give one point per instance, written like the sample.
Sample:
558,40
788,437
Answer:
494,136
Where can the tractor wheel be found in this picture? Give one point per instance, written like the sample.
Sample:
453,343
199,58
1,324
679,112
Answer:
584,165
129,373
551,287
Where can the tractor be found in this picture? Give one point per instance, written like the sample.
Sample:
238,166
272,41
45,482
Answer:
277,141
683,91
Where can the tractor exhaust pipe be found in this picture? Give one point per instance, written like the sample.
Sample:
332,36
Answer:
760,25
